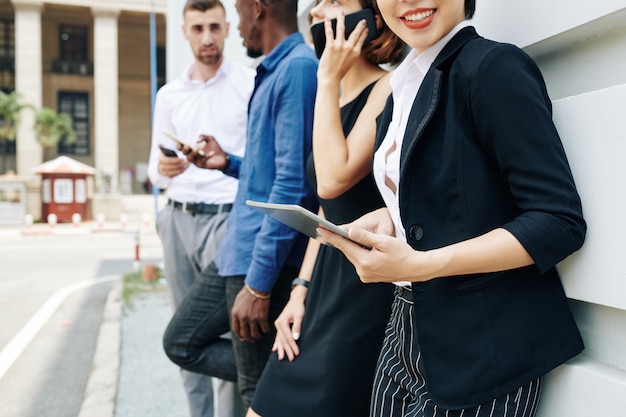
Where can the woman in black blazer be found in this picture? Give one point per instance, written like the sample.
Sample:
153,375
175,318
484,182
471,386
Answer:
480,207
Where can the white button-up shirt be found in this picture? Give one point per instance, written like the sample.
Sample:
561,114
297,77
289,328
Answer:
189,108
405,83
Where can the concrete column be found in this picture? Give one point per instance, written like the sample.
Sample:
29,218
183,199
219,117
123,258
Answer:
106,91
179,54
28,80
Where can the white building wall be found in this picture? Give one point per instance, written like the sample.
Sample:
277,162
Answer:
28,83
581,49
106,91
143,6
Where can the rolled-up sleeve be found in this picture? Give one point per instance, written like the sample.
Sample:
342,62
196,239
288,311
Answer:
517,131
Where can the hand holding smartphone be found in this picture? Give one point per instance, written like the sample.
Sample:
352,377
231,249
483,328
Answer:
167,151
180,142
351,20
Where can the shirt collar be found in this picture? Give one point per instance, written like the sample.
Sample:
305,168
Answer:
423,61
222,71
283,48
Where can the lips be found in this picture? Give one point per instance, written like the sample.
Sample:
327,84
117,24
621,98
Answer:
418,18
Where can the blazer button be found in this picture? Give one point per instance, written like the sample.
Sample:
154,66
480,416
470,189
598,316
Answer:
416,232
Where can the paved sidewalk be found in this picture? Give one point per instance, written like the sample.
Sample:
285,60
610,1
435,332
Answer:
131,376
149,384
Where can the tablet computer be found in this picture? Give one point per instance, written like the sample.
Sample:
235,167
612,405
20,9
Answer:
298,218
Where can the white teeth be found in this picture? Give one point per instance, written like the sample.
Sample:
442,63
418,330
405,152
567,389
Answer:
418,16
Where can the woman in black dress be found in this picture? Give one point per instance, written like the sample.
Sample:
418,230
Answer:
324,361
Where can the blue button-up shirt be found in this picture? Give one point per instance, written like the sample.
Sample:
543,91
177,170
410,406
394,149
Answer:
280,124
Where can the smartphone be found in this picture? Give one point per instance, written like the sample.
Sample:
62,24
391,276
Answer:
180,142
319,35
173,137
167,151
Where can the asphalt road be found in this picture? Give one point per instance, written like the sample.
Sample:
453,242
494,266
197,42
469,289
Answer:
52,292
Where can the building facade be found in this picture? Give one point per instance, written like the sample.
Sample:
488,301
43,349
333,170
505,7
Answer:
91,59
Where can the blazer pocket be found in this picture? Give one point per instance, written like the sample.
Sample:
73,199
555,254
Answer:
480,281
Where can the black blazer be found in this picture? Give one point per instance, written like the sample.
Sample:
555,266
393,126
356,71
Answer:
481,152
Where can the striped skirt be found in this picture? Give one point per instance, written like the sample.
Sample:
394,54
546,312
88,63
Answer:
400,389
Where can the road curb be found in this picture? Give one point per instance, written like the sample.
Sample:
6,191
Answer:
101,389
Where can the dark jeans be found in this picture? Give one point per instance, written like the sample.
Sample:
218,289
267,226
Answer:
192,338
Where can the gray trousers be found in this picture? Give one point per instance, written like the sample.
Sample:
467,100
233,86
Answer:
190,242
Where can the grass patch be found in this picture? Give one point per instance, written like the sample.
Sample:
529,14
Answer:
134,284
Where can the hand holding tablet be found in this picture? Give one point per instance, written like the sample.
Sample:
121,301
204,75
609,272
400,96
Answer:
299,218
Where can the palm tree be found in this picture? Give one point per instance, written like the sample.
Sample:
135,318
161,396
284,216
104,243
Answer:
51,127
11,107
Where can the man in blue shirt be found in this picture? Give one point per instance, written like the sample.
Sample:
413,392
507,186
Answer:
259,256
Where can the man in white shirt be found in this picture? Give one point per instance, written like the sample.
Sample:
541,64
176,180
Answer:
209,98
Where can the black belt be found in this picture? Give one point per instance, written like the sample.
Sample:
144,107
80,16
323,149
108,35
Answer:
200,208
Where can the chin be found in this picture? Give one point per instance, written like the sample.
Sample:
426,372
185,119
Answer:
254,53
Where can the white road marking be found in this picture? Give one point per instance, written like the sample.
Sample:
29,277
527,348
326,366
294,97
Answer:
20,341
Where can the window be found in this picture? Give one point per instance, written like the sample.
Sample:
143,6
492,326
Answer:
7,54
63,191
160,67
7,147
7,40
76,105
73,53
73,43
46,191
80,191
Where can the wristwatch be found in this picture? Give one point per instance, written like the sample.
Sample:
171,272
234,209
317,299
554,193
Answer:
299,281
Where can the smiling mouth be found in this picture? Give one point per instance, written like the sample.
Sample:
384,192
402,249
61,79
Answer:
416,17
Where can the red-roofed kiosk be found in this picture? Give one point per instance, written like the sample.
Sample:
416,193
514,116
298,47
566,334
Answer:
64,188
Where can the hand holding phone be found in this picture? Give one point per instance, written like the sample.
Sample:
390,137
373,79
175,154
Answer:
180,142
167,151
172,164
351,20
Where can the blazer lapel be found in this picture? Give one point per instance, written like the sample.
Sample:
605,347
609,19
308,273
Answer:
382,122
427,98
422,111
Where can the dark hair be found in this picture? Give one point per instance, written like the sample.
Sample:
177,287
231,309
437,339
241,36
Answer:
470,8
202,5
284,12
387,48
283,8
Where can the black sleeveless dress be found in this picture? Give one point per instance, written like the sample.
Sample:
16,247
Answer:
343,325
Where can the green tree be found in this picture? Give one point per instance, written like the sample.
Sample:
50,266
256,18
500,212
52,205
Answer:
11,107
52,127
